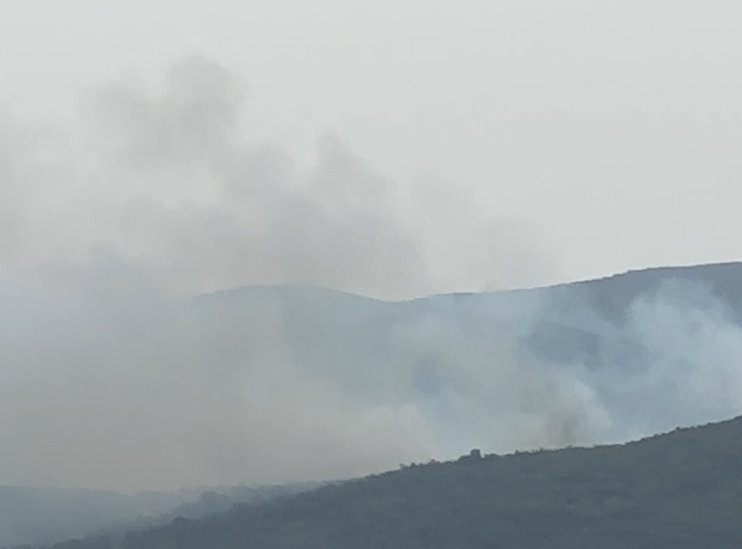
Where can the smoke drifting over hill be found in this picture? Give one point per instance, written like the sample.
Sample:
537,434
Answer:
110,377
170,184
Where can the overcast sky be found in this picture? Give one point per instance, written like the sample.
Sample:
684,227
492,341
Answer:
611,130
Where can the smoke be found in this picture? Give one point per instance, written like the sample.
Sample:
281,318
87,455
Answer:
172,182
689,369
112,375
161,194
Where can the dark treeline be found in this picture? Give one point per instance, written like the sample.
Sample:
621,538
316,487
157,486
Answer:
677,491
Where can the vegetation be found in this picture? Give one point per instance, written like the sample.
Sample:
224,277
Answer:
45,515
681,490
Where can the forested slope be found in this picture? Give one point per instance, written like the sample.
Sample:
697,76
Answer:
679,490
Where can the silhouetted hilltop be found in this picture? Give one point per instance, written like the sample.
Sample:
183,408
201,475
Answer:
679,490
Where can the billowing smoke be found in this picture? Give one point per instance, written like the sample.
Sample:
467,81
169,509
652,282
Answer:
170,182
112,373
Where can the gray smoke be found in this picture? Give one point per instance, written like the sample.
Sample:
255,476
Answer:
172,182
110,376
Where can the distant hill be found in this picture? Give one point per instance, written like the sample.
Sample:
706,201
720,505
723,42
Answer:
218,500
679,490
45,515
615,335
613,295
210,502
652,349
571,309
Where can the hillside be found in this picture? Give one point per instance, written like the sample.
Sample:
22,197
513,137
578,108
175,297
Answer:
586,363
43,515
679,490
210,502
583,312
637,341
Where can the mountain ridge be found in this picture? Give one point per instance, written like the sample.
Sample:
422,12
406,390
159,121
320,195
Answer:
675,271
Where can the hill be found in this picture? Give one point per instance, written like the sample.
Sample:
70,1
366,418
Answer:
679,490
44,515
210,502
590,362
636,343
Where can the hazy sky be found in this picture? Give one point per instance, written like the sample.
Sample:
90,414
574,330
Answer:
610,129
391,149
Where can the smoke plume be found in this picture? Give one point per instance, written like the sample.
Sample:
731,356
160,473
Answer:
112,373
